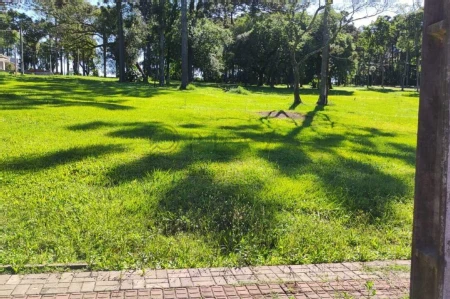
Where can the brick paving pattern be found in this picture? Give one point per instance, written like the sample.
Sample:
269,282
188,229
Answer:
387,279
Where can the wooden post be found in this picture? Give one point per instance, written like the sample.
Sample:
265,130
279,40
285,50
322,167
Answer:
430,271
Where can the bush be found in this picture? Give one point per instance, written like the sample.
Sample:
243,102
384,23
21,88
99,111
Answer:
239,90
133,75
315,82
10,67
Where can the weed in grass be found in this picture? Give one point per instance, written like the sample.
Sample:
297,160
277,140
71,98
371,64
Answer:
239,90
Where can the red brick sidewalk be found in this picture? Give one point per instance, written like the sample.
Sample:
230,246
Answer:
346,280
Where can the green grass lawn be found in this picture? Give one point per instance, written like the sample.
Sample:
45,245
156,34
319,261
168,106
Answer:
132,176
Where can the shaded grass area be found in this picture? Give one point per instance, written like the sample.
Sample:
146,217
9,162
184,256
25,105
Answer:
130,176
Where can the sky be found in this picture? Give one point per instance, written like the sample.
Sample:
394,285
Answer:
395,7
398,7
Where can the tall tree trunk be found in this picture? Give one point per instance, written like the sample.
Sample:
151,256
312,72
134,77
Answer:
67,62
161,59
62,61
416,41
296,74
297,99
83,65
105,40
323,93
167,68
225,15
147,59
417,73
76,59
260,78
56,55
405,71
232,73
22,62
50,56
184,46
190,63
392,67
382,71
301,75
231,17
162,38
121,42
368,72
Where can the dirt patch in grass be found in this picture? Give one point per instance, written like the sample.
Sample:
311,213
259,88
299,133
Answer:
281,114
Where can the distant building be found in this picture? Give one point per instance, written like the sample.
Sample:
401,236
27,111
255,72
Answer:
3,61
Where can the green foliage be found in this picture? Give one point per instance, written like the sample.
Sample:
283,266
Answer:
208,41
389,49
130,176
259,48
8,34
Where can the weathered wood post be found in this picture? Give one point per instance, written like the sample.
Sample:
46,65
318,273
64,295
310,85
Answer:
430,272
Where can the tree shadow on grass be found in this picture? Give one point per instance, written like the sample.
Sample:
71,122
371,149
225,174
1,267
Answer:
276,137
276,90
31,92
11,101
235,214
380,89
59,158
140,126
232,214
303,91
241,127
232,211
149,130
177,157
360,186
192,126
83,89
94,125
357,185
168,149
403,152
412,95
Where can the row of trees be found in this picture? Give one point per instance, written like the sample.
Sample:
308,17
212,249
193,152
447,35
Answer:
251,43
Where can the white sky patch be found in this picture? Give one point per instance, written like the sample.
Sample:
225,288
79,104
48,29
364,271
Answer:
367,16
